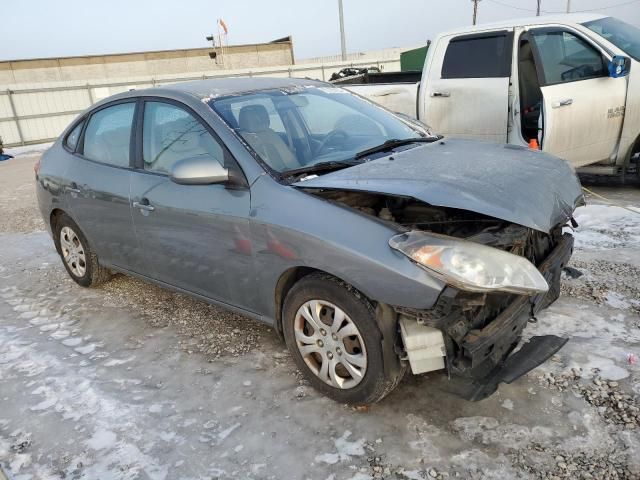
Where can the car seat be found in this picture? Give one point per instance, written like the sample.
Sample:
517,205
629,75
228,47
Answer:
254,127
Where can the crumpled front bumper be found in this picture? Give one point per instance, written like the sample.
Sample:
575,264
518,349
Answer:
491,350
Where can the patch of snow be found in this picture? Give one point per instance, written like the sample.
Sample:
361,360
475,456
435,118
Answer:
616,300
115,361
102,439
344,450
226,432
605,227
28,149
84,350
60,334
606,367
508,404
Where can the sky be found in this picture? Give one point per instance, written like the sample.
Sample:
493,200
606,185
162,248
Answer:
42,28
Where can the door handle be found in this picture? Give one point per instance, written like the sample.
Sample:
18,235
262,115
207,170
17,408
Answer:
73,188
562,103
440,94
144,206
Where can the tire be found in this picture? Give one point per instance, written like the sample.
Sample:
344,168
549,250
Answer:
77,257
366,380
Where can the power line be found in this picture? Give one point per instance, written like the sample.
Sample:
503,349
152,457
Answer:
497,2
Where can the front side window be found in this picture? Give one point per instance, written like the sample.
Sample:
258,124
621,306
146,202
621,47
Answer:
107,137
170,134
566,57
624,36
487,56
307,126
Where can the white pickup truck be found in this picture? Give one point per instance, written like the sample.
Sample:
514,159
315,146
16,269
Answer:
570,82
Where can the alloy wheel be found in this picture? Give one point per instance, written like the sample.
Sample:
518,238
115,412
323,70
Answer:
73,252
330,344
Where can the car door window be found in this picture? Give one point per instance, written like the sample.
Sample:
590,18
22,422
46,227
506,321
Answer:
170,133
566,57
72,139
108,135
473,56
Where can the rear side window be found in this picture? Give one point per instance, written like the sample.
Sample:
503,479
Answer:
72,139
487,56
108,135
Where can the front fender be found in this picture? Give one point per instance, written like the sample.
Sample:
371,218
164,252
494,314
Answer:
310,232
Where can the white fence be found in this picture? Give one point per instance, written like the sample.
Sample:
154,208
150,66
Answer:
39,114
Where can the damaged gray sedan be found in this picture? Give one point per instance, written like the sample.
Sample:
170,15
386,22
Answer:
371,244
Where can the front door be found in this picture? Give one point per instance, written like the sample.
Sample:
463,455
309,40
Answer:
195,237
467,91
583,108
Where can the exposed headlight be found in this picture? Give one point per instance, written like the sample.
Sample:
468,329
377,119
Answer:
470,266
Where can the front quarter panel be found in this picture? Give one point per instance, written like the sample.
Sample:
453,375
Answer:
290,228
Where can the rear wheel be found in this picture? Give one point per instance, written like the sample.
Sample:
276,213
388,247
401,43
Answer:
331,330
77,257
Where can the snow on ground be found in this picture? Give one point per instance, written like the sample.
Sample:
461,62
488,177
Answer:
130,381
27,149
607,227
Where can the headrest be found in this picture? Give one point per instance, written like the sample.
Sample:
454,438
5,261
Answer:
526,53
253,118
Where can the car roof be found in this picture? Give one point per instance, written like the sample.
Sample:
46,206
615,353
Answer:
216,87
567,18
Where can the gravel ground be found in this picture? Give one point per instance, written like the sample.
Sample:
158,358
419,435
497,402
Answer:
17,197
131,381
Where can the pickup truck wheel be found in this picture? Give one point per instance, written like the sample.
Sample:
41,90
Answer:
77,257
331,330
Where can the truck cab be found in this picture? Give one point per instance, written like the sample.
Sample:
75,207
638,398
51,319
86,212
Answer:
569,84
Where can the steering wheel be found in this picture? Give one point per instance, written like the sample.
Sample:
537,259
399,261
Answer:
579,72
332,135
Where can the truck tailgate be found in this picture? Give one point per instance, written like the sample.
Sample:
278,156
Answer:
397,97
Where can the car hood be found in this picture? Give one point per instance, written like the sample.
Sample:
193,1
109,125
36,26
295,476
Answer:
512,183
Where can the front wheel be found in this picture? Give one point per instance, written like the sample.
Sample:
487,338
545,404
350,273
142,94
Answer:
331,330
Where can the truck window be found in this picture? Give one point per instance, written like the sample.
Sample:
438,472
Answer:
474,56
567,58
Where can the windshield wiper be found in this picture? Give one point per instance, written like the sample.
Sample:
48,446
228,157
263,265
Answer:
321,166
393,143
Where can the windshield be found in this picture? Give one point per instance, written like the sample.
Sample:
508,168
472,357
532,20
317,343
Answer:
622,35
302,127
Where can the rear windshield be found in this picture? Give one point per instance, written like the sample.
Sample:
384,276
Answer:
624,36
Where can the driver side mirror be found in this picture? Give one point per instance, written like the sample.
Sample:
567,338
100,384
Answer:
199,170
619,66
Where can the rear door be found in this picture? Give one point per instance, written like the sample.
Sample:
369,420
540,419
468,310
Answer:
583,108
98,177
195,237
467,88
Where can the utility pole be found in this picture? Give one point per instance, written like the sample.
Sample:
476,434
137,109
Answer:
475,10
538,10
343,43
568,6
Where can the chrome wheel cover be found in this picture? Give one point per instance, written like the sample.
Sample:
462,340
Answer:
330,344
73,252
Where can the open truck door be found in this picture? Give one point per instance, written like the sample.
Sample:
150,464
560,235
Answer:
468,86
582,104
